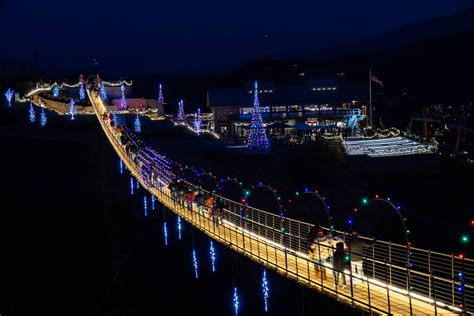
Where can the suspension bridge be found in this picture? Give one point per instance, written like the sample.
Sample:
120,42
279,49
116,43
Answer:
433,283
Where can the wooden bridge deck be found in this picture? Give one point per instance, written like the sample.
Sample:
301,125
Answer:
373,296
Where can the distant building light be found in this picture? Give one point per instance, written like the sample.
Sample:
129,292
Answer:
302,74
319,89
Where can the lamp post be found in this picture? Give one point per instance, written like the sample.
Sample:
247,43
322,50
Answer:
465,239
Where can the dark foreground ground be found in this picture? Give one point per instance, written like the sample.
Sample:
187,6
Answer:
74,242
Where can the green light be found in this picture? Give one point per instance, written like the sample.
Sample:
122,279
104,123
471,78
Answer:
365,201
278,198
408,231
297,193
247,193
465,239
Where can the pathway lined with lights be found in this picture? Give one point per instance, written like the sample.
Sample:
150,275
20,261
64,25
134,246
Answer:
372,295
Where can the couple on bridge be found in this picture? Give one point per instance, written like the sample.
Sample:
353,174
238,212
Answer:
330,250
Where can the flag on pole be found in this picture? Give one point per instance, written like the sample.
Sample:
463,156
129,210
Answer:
377,80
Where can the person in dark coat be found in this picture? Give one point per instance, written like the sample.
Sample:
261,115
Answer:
339,265
356,247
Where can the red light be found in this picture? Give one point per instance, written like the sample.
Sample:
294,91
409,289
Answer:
355,209
376,196
461,255
472,222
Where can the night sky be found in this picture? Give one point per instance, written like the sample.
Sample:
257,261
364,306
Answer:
175,37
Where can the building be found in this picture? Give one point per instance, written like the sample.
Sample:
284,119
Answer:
319,104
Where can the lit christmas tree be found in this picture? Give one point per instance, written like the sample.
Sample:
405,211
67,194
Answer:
180,116
138,125
9,95
198,121
161,100
43,119
72,110
55,90
32,113
257,138
103,92
82,94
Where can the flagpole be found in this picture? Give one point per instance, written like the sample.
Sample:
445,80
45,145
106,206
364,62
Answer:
370,96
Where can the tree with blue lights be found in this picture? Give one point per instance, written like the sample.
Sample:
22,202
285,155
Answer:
103,92
257,137
138,125
72,110
82,94
198,121
43,119
161,100
32,113
55,90
180,116
9,95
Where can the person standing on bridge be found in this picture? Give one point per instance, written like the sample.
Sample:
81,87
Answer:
318,252
339,265
356,247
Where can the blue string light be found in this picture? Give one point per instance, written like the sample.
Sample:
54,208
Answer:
138,125
257,137
179,228
212,253
103,92
121,166
236,301
131,185
165,233
82,94
43,119
195,264
9,95
71,109
153,202
180,116
161,99
32,113
138,184
265,289
197,121
55,90
145,208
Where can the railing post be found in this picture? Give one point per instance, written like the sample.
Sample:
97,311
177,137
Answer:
388,291
390,260
373,260
432,282
429,269
452,278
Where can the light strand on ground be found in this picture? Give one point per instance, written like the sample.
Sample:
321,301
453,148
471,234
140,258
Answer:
212,253
145,206
137,184
195,264
236,301
9,95
32,113
179,228
153,202
121,166
131,185
265,289
43,119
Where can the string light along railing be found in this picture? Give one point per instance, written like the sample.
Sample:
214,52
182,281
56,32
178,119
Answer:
49,87
264,224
